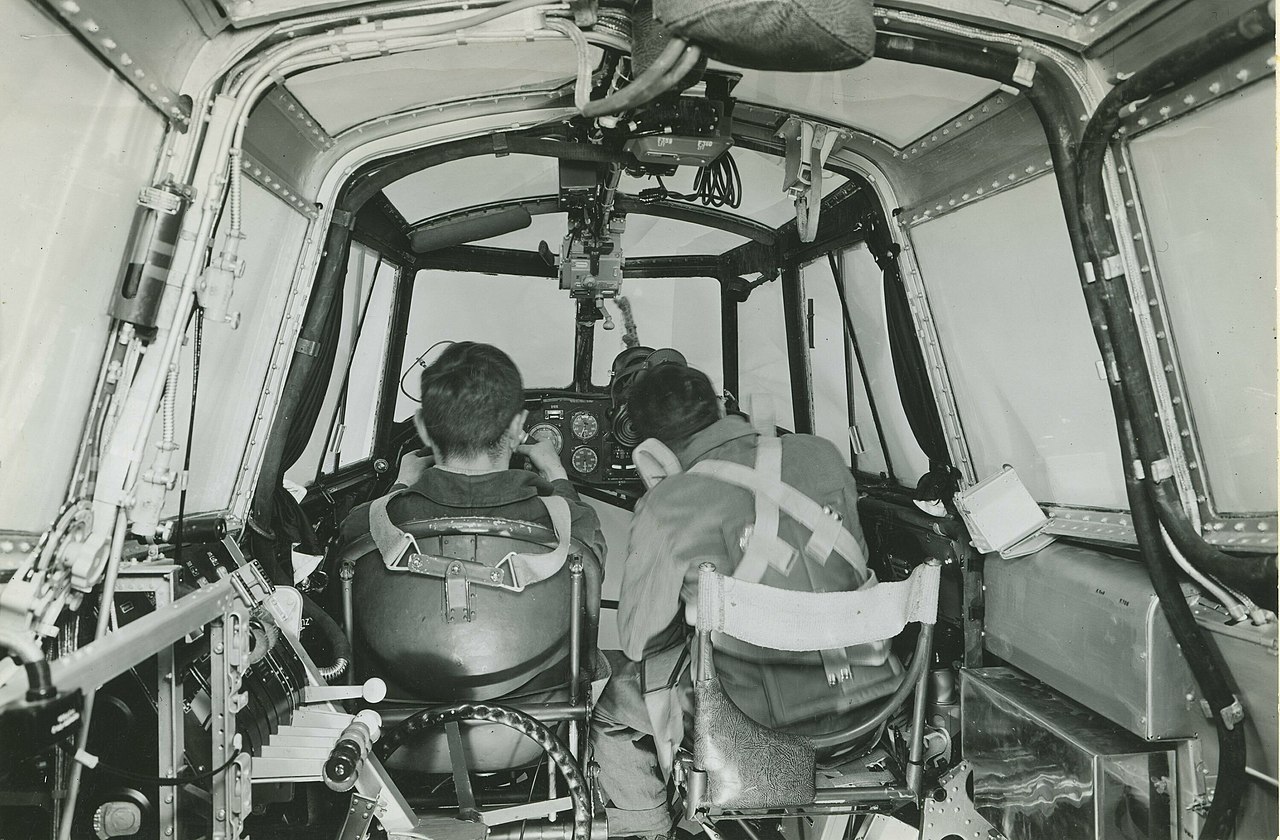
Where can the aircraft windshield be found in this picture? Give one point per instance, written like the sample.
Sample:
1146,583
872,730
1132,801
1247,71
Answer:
530,318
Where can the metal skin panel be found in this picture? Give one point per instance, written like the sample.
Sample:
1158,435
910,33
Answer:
1044,767
1089,625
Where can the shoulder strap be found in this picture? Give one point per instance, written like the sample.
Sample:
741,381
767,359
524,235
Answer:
764,548
392,542
525,569
826,529
528,569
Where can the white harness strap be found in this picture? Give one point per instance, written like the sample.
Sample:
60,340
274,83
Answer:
824,525
525,569
764,548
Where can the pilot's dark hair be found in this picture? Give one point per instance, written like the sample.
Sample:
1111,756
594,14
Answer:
469,395
671,403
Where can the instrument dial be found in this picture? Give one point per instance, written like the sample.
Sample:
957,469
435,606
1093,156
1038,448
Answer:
585,425
585,459
546,431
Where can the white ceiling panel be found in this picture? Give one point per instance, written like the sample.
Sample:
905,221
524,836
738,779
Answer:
894,101
347,94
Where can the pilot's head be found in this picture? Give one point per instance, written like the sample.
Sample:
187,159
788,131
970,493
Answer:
672,402
472,402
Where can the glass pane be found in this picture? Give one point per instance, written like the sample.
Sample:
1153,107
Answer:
762,352
462,183
683,313
530,318
1020,352
358,412
1211,215
320,455
864,285
827,357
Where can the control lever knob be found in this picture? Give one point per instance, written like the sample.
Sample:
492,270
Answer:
373,690
352,748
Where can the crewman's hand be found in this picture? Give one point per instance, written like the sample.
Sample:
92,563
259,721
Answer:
544,458
413,465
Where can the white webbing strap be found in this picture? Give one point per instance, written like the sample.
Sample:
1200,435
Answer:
825,526
764,548
525,569
783,619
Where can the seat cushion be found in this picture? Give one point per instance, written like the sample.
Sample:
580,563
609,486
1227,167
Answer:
747,765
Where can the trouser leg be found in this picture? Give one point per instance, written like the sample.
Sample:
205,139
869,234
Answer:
630,778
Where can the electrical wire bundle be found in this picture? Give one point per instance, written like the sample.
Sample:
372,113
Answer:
718,184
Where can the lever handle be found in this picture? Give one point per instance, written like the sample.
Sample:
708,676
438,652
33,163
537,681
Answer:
374,690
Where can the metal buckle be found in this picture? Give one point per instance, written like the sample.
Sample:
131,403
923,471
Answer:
515,585
398,560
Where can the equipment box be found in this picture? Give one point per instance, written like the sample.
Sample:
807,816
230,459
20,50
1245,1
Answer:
1044,766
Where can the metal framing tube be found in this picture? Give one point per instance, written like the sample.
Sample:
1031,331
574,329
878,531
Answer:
797,354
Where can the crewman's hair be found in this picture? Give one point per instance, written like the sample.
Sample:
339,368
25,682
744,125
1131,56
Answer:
671,403
469,395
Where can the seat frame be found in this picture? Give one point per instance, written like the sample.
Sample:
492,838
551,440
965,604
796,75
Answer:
837,802
584,576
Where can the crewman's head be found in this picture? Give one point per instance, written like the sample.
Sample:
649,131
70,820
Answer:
672,402
472,402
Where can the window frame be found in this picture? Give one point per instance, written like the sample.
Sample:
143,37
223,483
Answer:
1243,529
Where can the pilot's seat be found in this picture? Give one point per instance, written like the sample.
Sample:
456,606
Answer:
476,609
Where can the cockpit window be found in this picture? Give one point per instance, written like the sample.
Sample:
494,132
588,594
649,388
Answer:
1019,348
530,318
347,422
864,285
1211,235
681,312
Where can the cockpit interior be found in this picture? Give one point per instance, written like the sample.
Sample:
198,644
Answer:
1000,274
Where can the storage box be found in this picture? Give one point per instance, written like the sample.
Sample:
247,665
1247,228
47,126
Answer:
1045,767
1090,626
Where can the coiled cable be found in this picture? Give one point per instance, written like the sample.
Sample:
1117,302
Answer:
718,184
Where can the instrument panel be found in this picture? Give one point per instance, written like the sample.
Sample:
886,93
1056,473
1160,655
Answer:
581,430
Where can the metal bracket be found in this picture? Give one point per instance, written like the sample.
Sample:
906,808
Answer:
1112,267
1232,714
1025,72
359,817
1161,470
457,592
951,813
808,145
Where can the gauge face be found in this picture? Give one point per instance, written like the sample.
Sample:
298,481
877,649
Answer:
585,459
585,425
546,431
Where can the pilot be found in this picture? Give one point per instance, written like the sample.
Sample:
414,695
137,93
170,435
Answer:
686,519
472,418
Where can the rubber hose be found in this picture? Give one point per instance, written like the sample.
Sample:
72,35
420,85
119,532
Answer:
339,644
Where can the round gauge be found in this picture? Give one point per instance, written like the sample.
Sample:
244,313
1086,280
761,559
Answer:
585,425
546,431
585,459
